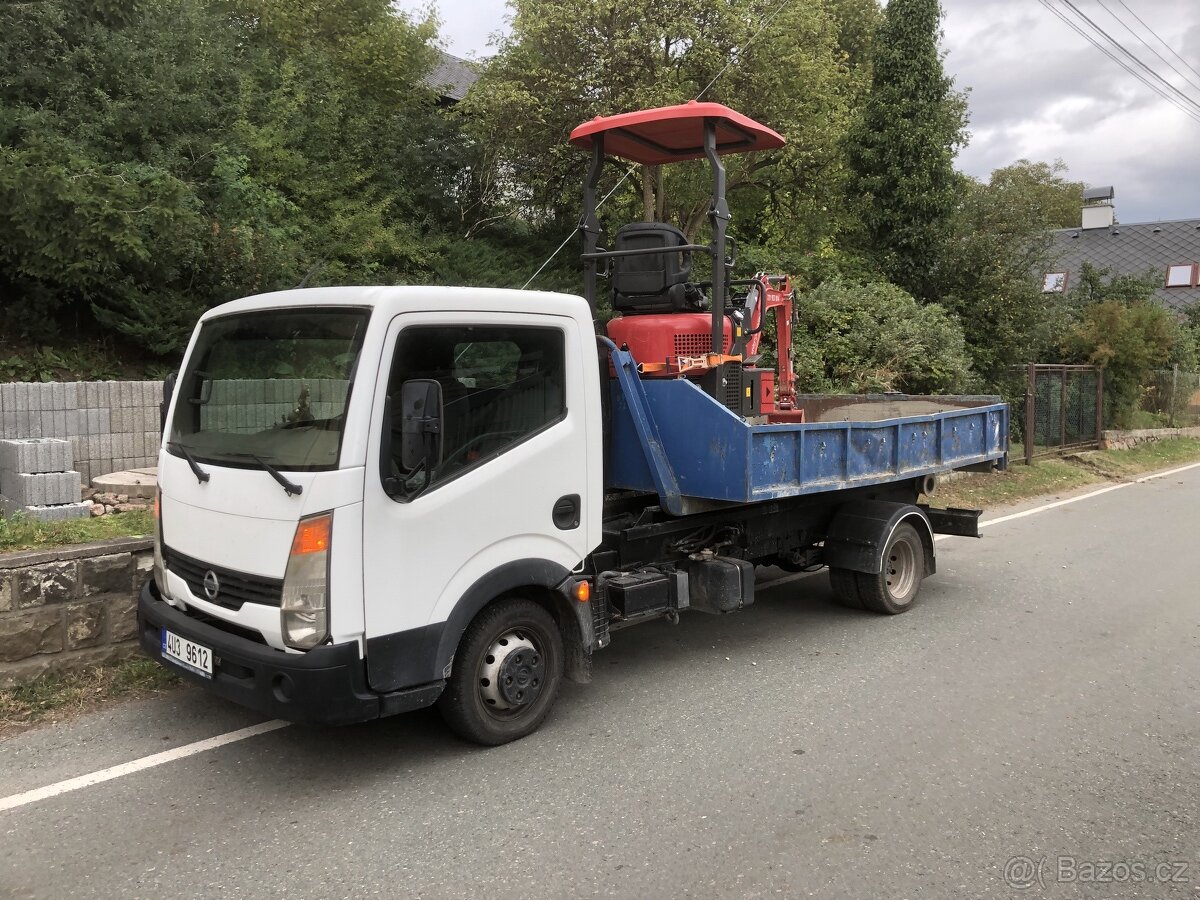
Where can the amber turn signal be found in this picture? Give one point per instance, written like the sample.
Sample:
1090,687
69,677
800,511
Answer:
312,535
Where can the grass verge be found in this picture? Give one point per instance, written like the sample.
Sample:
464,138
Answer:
55,697
23,533
1051,475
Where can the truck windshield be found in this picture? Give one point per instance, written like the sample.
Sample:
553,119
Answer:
273,384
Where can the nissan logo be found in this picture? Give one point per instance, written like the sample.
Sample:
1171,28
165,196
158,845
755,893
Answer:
212,585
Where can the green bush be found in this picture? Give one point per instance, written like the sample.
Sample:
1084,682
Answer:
1119,325
875,337
1130,339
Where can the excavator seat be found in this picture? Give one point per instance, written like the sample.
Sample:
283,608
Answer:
653,282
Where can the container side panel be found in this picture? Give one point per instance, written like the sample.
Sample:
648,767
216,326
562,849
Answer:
716,455
870,453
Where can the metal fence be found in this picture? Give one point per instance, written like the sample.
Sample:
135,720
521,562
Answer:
1063,409
1171,399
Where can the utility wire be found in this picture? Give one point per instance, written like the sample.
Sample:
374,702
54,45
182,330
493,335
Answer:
1189,82
1130,55
1124,65
733,60
567,239
1170,49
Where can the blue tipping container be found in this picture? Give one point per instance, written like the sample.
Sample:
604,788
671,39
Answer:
670,437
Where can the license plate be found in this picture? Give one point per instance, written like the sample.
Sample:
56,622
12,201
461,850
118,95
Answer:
188,654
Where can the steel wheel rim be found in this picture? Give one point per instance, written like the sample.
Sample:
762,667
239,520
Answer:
900,568
512,673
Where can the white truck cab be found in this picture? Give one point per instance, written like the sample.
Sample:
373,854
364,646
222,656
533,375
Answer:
320,553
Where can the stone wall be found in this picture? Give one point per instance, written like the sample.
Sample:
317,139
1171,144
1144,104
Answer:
69,607
112,425
1127,440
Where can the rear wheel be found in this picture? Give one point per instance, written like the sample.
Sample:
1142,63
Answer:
895,588
506,673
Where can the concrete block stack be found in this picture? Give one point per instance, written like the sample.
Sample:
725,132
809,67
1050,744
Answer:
36,479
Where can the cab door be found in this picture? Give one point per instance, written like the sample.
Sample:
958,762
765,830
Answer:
510,484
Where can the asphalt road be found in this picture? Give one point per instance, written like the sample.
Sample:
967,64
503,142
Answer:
1042,703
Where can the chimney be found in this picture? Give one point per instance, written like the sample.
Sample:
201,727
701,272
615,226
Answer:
1098,211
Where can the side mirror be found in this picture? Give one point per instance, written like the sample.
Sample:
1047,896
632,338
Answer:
168,393
420,423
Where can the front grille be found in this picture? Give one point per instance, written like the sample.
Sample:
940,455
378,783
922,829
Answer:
236,588
228,627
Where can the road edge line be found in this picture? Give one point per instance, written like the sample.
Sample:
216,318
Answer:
1096,493
24,798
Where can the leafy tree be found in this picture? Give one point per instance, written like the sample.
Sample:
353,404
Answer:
1191,325
162,156
875,337
1038,193
1122,329
902,148
798,76
989,271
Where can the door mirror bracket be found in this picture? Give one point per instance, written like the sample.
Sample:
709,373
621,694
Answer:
420,424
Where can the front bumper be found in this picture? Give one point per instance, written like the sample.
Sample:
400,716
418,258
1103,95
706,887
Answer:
325,686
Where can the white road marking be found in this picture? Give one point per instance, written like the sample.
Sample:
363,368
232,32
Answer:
1096,493
138,765
148,762
1167,473
1057,503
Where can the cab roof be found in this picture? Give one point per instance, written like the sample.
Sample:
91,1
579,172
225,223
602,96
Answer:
397,299
675,133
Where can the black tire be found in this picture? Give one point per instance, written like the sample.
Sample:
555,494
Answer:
895,588
473,709
845,588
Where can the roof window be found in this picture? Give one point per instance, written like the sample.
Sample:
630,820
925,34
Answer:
1054,282
1183,275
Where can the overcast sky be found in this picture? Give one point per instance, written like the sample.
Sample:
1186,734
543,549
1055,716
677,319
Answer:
1038,91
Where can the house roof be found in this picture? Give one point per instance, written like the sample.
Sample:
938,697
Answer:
451,77
1141,248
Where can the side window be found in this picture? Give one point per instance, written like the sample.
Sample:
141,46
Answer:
500,384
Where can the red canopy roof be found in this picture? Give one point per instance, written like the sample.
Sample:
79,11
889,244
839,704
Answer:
675,133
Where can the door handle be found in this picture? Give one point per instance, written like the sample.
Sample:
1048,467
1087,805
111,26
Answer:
566,512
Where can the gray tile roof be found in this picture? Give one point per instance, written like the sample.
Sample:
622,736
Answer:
452,77
1143,248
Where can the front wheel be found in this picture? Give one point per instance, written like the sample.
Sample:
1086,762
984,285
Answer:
895,588
506,673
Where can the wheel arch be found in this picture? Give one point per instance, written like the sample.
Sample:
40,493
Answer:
860,532
423,655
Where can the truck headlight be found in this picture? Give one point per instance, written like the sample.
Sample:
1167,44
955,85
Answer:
304,609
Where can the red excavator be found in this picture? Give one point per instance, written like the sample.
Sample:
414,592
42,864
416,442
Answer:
672,325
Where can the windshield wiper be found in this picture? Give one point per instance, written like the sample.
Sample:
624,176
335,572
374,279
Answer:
201,475
289,486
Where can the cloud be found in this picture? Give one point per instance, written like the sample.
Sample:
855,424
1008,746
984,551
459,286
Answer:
1038,90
